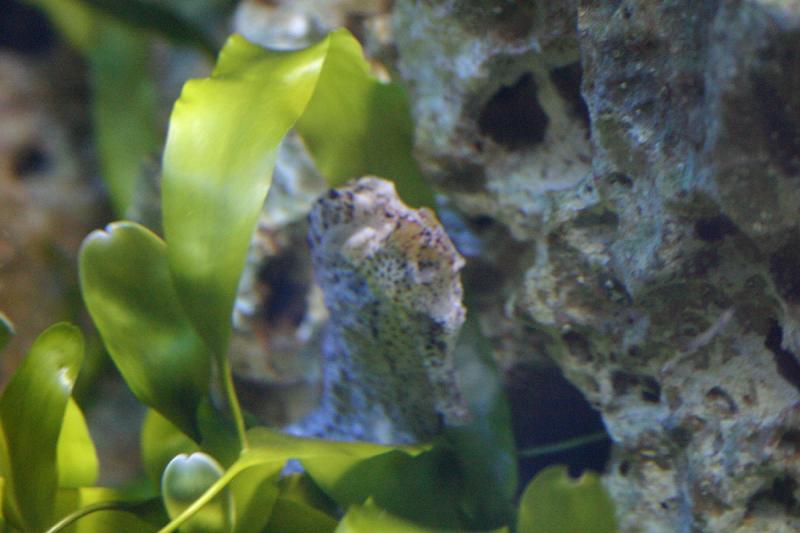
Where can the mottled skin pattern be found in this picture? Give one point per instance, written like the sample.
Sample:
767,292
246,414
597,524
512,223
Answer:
391,284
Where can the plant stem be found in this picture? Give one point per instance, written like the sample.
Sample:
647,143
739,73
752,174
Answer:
563,445
89,509
233,401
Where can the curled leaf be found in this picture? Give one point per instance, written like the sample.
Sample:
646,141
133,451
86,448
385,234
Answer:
185,479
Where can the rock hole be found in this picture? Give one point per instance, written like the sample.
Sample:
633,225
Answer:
781,492
775,88
624,468
651,390
785,361
513,117
724,402
790,440
546,409
24,28
625,382
714,229
578,346
618,178
567,80
29,161
784,267
681,436
286,282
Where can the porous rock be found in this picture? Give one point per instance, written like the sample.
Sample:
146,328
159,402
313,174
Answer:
647,156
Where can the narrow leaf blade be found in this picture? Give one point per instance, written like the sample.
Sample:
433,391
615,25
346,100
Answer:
124,109
220,152
78,465
156,18
6,330
31,412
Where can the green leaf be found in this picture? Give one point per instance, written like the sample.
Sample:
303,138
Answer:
484,447
156,18
73,19
6,330
326,461
417,483
555,503
221,148
31,412
301,488
219,157
160,442
185,479
123,92
371,121
271,449
290,516
445,487
218,434
424,489
254,493
129,293
78,465
368,518
124,109
99,510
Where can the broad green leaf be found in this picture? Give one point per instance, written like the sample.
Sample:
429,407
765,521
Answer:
425,489
218,161
368,518
78,465
291,516
326,461
301,488
445,487
413,482
356,125
129,293
185,479
100,510
221,147
6,330
254,493
271,449
156,18
160,442
31,412
218,434
554,502
485,446
124,108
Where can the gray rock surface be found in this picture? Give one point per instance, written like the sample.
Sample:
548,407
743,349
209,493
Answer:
644,157
390,275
